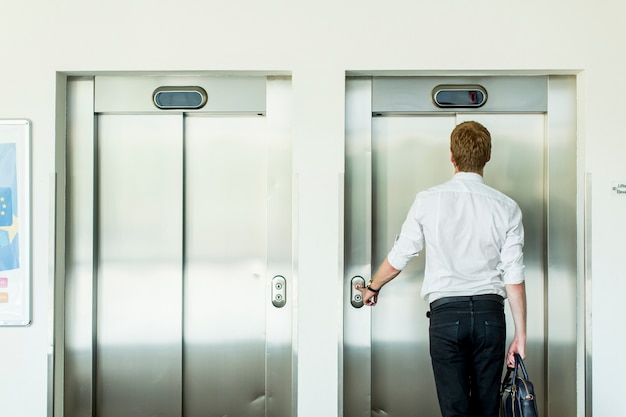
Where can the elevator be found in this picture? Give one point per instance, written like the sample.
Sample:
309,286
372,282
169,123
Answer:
397,144
177,248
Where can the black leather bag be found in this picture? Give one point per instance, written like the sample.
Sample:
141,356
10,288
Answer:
517,394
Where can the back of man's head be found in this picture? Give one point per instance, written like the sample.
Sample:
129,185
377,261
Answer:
470,144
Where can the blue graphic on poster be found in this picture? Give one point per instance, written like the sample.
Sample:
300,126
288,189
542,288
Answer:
9,228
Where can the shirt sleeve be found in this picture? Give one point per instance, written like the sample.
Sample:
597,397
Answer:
409,242
512,255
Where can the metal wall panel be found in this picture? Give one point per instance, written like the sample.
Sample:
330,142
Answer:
357,247
526,94
79,332
563,240
280,368
225,94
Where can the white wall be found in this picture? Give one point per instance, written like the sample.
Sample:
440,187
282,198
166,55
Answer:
318,42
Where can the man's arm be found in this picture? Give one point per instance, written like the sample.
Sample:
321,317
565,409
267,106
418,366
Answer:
516,294
383,275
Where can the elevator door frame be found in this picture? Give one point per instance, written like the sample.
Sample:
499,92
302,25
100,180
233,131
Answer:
364,96
76,293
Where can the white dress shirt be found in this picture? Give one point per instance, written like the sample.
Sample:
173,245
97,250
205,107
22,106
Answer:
473,234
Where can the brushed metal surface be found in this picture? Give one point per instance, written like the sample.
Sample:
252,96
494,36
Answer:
124,93
357,380
586,290
510,94
280,370
79,331
225,245
140,260
563,274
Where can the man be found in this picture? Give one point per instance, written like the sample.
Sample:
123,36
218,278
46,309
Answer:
473,237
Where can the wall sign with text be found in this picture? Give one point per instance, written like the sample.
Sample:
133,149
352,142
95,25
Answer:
15,281
619,188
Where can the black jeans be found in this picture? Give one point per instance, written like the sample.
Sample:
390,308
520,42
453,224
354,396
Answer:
467,349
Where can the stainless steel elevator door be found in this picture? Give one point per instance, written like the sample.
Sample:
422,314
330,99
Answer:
140,265
226,246
182,265
169,276
411,154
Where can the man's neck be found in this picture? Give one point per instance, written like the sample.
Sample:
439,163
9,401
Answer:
479,172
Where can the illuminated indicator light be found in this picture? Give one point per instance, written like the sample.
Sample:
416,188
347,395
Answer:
459,96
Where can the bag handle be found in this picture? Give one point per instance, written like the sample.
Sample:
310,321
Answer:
519,363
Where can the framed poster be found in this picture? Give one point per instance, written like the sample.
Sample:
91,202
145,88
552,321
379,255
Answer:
15,282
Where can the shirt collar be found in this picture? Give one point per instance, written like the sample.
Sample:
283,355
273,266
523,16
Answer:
469,176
